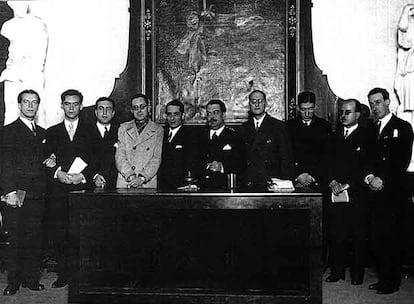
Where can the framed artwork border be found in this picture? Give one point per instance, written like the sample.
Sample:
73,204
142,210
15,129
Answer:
150,66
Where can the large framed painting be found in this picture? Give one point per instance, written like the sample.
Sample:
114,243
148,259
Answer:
198,50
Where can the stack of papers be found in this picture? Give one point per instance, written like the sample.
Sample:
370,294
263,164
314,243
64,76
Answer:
189,188
280,185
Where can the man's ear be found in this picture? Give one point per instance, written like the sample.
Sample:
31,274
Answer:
358,115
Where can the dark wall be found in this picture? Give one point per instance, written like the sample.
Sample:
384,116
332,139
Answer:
5,14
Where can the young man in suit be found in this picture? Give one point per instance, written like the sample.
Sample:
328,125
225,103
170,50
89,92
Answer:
347,156
179,149
386,180
309,135
222,148
23,156
103,143
138,155
67,141
267,145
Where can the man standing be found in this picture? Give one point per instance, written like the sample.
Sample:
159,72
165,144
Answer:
179,149
22,158
347,215
267,145
309,135
67,140
138,155
104,138
223,148
387,181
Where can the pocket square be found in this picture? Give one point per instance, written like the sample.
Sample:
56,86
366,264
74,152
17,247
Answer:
268,141
358,148
178,146
227,147
395,133
44,141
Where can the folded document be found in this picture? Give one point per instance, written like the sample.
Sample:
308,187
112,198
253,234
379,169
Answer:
280,185
77,166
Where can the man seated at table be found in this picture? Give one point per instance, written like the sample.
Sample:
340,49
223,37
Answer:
104,138
309,135
138,155
179,149
222,148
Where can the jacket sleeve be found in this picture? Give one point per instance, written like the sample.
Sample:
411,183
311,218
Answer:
121,160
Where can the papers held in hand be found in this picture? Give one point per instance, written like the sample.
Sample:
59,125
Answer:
21,194
342,197
77,166
280,185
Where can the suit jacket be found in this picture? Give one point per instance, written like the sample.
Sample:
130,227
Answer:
22,156
103,151
309,144
268,152
178,157
59,143
138,154
348,158
392,155
228,149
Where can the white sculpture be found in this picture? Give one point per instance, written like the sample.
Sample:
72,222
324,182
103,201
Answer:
27,54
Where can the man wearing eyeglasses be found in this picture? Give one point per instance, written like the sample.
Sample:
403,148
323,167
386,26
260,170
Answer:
309,135
138,155
267,145
67,141
347,157
23,154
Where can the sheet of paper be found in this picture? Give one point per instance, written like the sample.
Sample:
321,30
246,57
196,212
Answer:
342,197
77,166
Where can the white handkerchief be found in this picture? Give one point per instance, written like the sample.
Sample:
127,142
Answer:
116,145
178,146
77,166
342,197
395,133
44,141
227,147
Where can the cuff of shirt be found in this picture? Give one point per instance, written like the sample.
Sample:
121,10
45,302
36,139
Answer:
368,179
57,171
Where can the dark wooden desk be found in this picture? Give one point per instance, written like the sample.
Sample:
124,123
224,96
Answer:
134,246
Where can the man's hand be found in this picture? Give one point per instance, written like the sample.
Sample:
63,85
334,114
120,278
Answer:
99,181
335,187
50,162
76,178
13,201
215,166
136,181
63,177
376,184
305,179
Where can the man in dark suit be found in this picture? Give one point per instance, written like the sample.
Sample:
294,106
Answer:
179,150
103,143
222,148
67,141
309,135
22,168
347,212
388,189
267,145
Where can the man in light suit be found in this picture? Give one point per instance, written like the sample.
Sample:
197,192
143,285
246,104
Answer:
23,156
386,180
267,145
179,149
103,143
138,155
67,141
222,148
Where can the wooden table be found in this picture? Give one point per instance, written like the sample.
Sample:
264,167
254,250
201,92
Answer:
144,246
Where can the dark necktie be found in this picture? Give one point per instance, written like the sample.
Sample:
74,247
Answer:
346,133
169,136
378,128
257,126
33,129
106,132
214,137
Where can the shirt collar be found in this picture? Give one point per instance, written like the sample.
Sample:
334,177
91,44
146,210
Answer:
101,128
174,131
258,122
218,131
27,122
350,129
307,123
385,120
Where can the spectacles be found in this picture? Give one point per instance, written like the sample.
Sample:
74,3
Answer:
346,112
140,107
306,109
256,101
26,102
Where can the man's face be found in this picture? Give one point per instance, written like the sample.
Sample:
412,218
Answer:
257,103
29,105
215,117
104,112
379,106
347,114
306,111
139,109
72,106
174,116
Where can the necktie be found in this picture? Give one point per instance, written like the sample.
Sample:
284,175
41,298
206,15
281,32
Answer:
346,133
169,136
33,129
214,137
257,126
378,128
71,131
106,132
